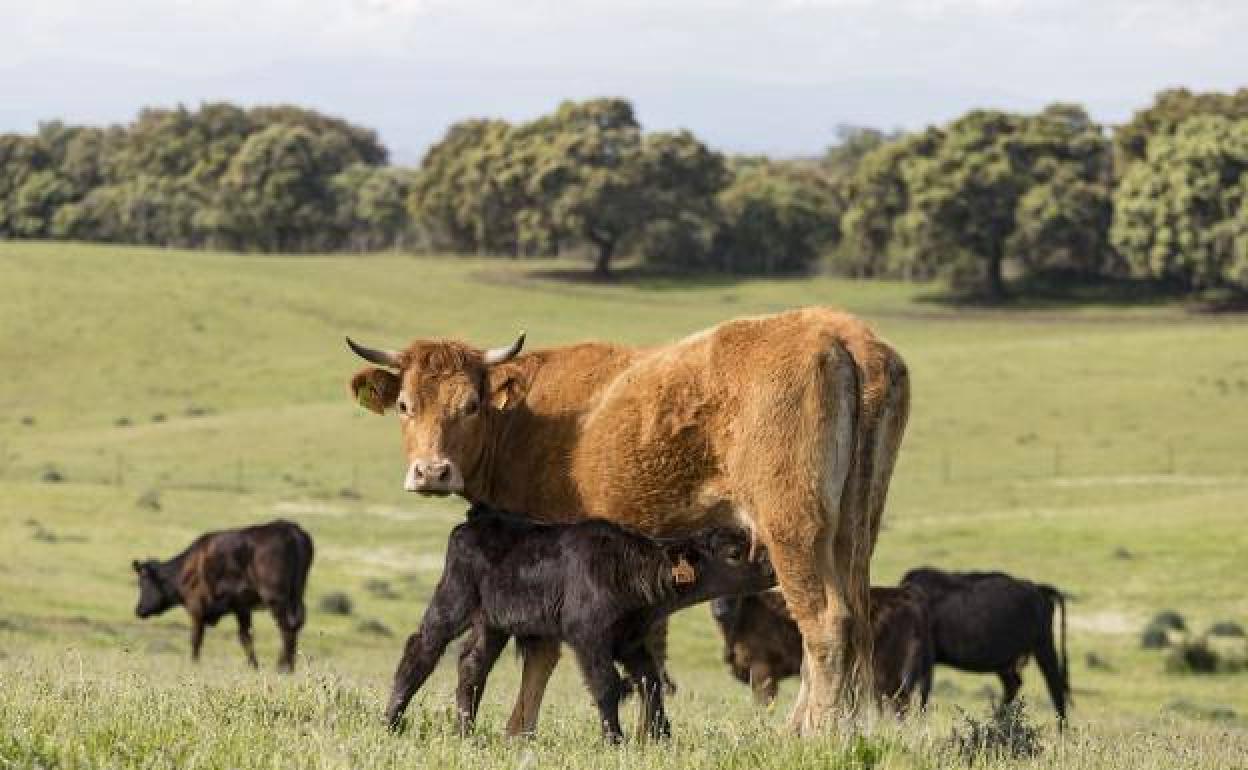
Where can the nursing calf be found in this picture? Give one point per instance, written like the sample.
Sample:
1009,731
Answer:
591,584
762,644
234,571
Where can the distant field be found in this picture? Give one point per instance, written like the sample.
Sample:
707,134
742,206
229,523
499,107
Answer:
1100,449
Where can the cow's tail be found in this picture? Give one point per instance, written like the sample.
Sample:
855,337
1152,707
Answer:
303,551
1060,601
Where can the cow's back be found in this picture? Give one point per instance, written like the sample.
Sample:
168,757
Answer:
990,623
682,437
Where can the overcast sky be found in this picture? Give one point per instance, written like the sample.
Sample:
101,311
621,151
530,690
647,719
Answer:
772,76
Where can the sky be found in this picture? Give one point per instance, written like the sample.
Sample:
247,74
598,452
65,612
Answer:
772,76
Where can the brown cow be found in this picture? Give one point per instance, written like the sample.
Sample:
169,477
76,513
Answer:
234,571
787,424
763,646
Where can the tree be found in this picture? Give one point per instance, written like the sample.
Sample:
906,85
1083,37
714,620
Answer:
876,199
275,195
1170,108
775,218
370,205
1182,214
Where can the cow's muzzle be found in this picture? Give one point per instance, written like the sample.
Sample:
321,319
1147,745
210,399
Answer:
433,477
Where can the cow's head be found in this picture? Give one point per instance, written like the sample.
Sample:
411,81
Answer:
156,592
446,394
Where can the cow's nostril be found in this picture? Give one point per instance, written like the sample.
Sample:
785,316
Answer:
444,472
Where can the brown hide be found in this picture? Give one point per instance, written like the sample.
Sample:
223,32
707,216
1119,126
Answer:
787,424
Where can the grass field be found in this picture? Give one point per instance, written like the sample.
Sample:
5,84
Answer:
1101,449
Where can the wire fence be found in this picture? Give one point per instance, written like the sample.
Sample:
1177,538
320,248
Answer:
1155,461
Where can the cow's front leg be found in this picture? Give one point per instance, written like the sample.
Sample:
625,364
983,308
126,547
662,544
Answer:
540,657
197,637
244,636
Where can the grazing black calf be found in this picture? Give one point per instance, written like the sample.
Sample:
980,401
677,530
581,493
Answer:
989,622
234,571
762,645
591,584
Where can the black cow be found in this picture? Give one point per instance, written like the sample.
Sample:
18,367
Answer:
234,571
591,584
989,622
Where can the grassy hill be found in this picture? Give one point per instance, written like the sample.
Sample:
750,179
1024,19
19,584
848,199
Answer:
1099,449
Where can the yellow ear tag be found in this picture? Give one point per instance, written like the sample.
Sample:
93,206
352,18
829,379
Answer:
683,573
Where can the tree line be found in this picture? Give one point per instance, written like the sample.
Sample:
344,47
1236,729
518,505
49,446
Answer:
984,202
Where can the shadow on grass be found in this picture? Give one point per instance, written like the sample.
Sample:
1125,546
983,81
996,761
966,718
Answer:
1056,291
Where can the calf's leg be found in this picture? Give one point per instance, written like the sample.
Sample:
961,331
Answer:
197,637
446,617
604,684
244,636
648,676
476,661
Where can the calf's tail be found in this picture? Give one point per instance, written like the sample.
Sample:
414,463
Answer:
303,550
1060,601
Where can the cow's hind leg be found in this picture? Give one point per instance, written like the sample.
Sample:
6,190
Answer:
476,661
1011,682
290,638
540,656
814,538
1047,660
244,636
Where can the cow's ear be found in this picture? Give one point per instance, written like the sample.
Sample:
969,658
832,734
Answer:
508,387
138,568
375,389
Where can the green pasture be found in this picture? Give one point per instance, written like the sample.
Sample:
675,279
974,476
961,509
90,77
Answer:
149,395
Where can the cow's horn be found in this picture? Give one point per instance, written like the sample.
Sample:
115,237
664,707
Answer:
503,355
379,357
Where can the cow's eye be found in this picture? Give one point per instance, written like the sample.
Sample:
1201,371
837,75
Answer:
471,406
402,407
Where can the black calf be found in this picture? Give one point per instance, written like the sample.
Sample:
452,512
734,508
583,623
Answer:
990,622
592,585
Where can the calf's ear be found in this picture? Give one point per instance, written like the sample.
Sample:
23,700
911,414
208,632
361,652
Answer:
138,568
508,387
375,389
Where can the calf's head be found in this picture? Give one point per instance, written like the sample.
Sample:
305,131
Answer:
156,592
446,394
719,562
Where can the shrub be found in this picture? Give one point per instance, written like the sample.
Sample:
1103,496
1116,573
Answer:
336,603
380,588
1169,619
375,627
1226,628
1193,657
1007,733
149,500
